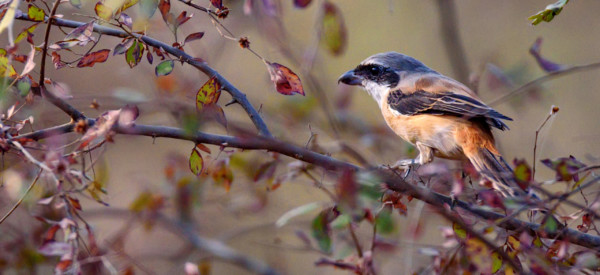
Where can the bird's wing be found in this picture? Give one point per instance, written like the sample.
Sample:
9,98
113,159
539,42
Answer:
444,103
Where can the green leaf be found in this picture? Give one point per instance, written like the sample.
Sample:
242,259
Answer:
321,232
196,162
208,94
23,34
496,262
103,11
548,13
334,29
148,7
384,222
134,54
164,68
459,231
76,3
36,14
300,210
550,224
24,86
341,222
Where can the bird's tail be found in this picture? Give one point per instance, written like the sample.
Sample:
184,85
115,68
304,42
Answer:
493,167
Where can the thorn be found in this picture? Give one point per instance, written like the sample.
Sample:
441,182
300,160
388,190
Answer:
233,101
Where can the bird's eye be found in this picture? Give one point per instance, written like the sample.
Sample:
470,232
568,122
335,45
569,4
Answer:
375,70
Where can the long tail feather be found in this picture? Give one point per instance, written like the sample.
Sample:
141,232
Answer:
493,167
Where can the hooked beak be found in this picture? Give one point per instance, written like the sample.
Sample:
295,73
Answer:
349,78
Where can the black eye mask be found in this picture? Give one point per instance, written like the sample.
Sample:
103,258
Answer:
379,74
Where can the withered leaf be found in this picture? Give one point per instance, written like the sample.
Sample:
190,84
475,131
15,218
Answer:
193,36
90,59
286,82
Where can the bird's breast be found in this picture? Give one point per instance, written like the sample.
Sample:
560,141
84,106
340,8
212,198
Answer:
435,131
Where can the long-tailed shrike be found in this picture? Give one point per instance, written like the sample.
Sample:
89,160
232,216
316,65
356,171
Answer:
438,115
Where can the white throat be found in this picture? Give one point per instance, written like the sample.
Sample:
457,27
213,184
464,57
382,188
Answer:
377,92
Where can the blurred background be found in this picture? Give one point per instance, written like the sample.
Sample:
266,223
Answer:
495,35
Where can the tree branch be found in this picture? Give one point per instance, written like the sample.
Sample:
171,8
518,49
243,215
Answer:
202,66
451,37
297,152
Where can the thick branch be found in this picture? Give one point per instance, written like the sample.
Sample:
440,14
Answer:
393,182
202,66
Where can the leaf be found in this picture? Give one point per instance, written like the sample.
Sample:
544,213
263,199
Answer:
26,32
334,30
82,33
286,82
320,229
56,61
62,266
35,14
24,86
203,148
496,262
182,18
460,232
341,222
196,162
217,3
149,57
164,68
134,54
165,6
301,3
522,173
148,7
384,222
548,13
121,48
222,174
492,199
103,11
101,128
75,3
6,69
64,44
126,20
8,16
297,211
265,171
127,4
544,63
55,249
29,64
347,190
90,59
550,224
208,94
193,36
565,168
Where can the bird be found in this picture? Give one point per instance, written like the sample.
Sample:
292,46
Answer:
440,116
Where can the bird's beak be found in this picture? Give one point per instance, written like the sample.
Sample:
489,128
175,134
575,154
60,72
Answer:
349,78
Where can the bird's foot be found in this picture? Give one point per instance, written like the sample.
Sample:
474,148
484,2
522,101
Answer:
408,165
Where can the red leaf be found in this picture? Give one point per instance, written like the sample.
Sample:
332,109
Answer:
182,18
286,82
217,3
164,6
63,265
203,147
49,236
544,63
149,57
301,3
56,61
193,36
92,58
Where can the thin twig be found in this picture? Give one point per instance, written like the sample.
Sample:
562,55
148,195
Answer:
22,197
555,74
553,111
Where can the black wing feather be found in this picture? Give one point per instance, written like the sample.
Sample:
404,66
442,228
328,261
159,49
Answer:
422,102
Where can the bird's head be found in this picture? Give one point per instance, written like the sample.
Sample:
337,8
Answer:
383,71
